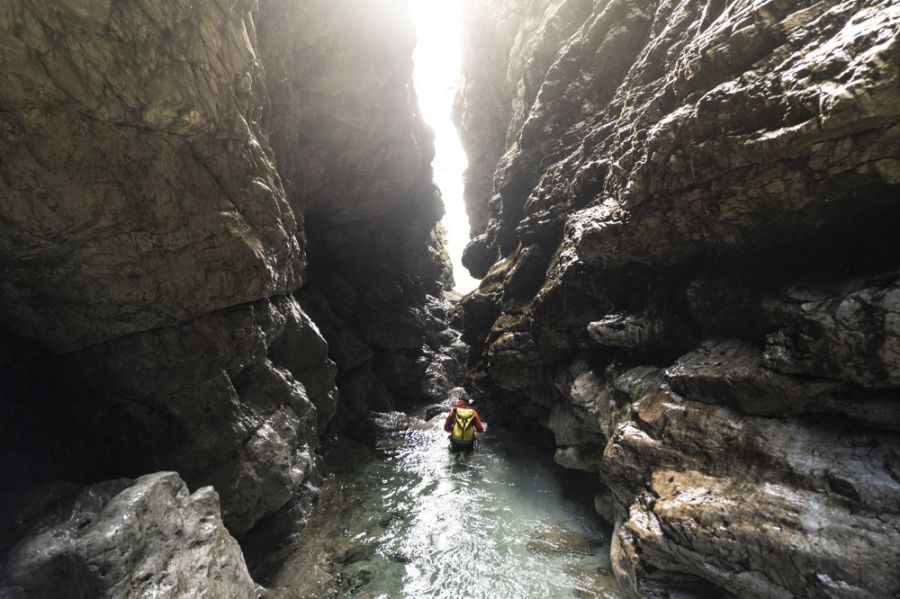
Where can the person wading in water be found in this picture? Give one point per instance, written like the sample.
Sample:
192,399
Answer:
462,423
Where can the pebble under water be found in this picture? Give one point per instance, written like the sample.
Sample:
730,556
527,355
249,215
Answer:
410,519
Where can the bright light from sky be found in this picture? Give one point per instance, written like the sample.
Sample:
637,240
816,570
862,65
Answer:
438,59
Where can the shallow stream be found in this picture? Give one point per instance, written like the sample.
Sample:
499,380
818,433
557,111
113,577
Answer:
410,519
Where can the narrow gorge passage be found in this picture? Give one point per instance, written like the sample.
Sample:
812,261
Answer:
410,519
229,288
437,76
401,516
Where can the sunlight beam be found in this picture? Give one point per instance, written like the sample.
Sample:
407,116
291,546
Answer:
437,59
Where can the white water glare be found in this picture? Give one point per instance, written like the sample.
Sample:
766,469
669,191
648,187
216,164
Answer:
413,521
438,67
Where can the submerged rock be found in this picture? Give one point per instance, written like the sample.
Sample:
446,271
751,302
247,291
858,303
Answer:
381,423
437,411
593,582
387,431
560,540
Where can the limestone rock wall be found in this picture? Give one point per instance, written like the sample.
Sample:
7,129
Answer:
347,133
193,198
690,274
509,46
138,188
149,251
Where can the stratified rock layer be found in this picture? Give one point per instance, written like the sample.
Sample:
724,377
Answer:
138,187
231,399
690,273
148,245
165,172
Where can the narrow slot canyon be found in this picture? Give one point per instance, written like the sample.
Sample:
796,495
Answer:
253,252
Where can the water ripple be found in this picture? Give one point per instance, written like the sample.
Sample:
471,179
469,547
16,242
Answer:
498,523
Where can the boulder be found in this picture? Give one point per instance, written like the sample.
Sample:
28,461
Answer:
125,538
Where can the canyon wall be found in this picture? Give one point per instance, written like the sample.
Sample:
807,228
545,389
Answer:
347,132
194,197
691,275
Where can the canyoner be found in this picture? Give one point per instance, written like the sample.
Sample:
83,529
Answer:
462,423
235,322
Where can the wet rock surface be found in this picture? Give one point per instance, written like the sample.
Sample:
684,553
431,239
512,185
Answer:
228,399
201,258
150,252
120,538
230,386
709,526
689,276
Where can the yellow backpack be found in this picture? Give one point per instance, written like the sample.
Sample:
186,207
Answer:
464,427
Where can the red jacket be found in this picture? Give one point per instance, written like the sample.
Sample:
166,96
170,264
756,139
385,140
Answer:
451,417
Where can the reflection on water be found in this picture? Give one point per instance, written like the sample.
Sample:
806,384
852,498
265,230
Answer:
414,520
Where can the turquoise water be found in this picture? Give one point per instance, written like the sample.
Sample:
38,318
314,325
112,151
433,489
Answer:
413,520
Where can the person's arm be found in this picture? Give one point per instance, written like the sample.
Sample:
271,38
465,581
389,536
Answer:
451,418
479,428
